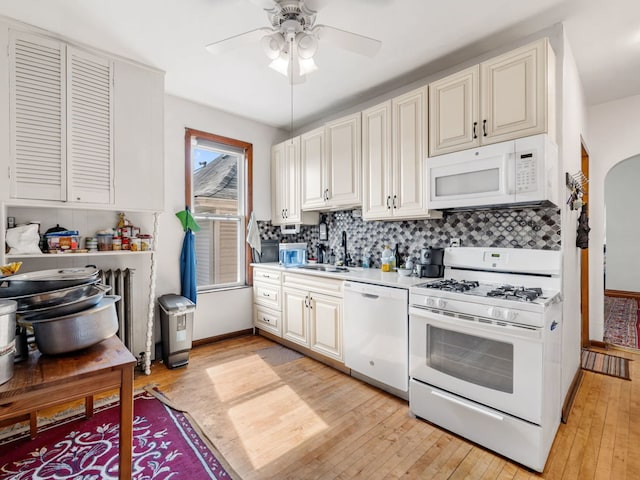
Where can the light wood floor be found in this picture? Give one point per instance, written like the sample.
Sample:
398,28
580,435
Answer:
304,420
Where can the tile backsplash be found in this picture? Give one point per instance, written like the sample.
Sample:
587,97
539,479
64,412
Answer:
526,228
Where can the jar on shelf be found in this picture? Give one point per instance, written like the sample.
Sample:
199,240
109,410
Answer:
105,241
145,241
91,244
136,244
116,243
126,243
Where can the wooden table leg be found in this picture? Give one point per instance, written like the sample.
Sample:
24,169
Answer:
88,406
33,424
126,423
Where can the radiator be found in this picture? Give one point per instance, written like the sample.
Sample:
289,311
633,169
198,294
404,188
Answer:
121,283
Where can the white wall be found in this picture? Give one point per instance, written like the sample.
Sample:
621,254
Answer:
613,137
622,226
572,117
222,311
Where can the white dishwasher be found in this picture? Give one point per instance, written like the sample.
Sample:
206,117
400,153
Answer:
376,335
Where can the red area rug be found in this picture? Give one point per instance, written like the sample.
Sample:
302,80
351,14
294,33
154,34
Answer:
166,444
621,321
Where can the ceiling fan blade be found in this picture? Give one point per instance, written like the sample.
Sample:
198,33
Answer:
246,38
348,40
266,4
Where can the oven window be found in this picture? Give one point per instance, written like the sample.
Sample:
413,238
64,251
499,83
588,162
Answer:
482,361
478,181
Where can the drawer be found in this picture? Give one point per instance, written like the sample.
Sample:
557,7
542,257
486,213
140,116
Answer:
328,286
267,319
267,295
266,275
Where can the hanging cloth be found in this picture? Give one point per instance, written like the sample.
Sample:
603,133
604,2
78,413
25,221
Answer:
253,234
188,285
582,238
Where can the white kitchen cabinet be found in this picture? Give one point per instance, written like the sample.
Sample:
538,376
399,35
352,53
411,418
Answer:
332,165
394,152
138,137
286,185
506,97
267,300
61,115
312,313
312,157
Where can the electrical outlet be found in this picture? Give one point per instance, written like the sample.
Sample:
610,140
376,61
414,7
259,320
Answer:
454,242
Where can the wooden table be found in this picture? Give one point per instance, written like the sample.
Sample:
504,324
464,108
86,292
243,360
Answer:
46,380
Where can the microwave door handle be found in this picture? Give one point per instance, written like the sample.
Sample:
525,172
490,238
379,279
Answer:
510,174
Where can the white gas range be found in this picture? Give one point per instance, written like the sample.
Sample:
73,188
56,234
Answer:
485,349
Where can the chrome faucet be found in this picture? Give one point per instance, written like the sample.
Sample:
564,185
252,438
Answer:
346,257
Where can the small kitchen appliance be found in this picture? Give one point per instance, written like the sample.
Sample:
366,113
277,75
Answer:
292,254
485,349
430,264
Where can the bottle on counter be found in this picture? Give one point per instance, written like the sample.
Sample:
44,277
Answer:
332,257
366,258
396,257
387,255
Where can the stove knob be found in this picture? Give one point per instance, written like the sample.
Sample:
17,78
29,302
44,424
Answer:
440,303
510,316
495,313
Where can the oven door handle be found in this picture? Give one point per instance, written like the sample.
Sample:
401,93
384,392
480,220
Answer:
467,405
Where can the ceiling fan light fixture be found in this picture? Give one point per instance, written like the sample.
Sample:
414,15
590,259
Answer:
281,63
307,45
272,45
307,65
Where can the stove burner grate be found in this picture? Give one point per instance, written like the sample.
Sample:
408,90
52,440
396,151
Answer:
453,285
510,292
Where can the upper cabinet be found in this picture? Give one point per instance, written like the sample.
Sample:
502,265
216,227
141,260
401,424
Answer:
393,156
507,97
84,128
139,136
285,185
61,121
332,165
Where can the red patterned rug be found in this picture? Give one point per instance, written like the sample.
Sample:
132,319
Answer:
621,321
166,444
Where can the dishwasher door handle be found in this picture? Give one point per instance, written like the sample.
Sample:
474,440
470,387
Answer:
370,295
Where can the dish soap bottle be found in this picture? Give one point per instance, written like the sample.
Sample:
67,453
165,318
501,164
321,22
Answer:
387,255
366,258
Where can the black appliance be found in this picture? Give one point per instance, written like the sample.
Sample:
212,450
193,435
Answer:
431,263
269,254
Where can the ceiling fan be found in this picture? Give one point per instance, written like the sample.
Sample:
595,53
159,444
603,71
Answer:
295,35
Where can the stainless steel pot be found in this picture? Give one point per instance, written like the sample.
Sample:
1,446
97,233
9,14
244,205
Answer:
78,330
7,338
46,281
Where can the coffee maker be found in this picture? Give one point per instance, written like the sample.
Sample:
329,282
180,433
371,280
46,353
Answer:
430,264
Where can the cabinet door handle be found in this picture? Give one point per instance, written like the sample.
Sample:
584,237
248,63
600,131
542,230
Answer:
484,127
310,300
388,199
475,124
394,201
306,304
264,294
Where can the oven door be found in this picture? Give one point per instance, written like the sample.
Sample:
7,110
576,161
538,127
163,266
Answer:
482,176
492,363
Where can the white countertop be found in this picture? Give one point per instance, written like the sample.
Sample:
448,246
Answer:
374,276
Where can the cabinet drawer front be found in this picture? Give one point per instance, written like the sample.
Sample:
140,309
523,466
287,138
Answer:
328,286
267,295
267,319
264,275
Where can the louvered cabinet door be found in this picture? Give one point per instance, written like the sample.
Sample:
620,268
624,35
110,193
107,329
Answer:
89,127
38,130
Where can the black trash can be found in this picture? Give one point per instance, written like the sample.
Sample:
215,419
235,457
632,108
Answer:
176,324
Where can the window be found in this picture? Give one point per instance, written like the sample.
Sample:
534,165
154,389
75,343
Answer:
217,188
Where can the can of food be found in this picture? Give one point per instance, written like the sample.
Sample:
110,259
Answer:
136,244
116,243
126,243
145,241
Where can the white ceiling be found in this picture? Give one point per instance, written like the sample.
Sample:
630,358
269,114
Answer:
418,37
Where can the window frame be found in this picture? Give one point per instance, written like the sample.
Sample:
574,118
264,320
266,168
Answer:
247,148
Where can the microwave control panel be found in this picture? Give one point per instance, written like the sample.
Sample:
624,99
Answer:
526,172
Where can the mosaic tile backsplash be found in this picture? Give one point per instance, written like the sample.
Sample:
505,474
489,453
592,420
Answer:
526,228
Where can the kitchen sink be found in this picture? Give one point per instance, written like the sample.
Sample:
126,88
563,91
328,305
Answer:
324,268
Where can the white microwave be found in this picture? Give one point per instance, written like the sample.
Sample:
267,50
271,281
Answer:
521,172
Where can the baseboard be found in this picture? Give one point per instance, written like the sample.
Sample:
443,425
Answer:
225,336
306,351
571,395
598,344
622,294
